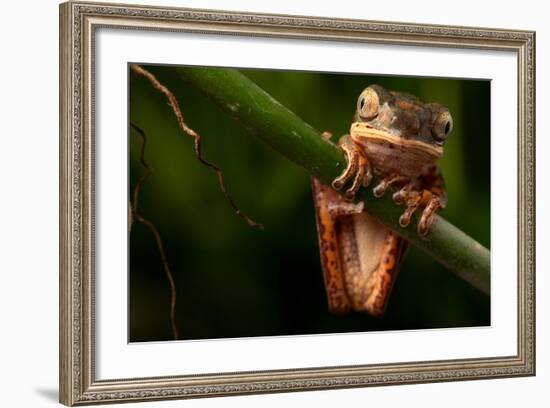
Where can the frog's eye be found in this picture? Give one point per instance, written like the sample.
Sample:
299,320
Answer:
442,126
368,104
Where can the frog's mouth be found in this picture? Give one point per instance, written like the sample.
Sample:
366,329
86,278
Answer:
363,131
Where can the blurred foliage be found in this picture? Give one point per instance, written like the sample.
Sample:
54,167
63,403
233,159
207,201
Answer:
236,281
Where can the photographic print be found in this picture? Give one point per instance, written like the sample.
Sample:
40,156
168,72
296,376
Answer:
318,203
228,238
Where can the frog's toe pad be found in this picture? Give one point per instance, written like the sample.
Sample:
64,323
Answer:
399,197
338,184
404,220
379,190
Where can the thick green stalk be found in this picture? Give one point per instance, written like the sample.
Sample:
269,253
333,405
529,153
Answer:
266,118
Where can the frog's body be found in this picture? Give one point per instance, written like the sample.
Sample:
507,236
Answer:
400,139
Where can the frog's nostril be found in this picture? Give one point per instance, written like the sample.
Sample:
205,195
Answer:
447,128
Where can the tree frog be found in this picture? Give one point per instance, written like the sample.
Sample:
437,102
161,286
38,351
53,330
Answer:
400,139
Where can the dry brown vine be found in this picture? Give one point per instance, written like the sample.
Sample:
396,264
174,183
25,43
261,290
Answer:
135,214
173,103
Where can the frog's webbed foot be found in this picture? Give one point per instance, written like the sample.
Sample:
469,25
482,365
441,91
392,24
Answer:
414,199
386,182
358,167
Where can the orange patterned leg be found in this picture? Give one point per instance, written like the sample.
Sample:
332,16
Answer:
383,278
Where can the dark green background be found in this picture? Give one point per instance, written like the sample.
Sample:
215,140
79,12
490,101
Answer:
236,281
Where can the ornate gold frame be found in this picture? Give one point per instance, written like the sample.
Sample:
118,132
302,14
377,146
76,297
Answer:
78,22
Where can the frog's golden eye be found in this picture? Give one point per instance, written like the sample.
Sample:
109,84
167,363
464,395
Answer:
368,104
442,126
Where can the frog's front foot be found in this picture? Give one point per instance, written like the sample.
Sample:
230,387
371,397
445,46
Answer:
358,167
414,200
386,182
428,215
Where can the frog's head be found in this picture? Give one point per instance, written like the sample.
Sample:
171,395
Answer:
401,120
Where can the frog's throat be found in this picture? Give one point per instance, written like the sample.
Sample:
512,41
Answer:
360,130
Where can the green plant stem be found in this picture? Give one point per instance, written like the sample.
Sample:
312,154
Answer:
288,134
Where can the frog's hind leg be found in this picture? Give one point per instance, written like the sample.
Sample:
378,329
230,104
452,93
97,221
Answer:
381,280
329,208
